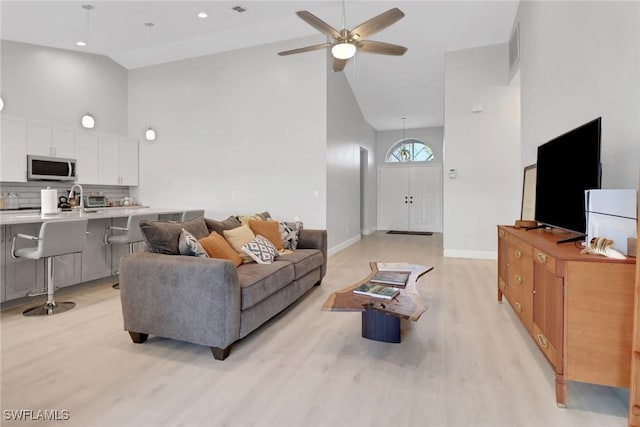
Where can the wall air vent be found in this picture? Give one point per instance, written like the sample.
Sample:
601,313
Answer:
239,9
514,47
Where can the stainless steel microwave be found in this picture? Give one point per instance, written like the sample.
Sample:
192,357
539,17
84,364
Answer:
41,168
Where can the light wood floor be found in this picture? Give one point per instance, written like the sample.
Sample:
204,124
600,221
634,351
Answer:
466,362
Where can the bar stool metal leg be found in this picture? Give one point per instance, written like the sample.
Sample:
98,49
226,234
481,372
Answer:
131,250
50,307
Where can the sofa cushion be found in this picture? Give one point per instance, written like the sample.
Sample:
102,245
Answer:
189,245
259,281
268,229
237,238
261,250
217,247
219,226
163,237
303,260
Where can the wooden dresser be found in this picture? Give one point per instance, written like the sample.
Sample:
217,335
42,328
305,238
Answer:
577,308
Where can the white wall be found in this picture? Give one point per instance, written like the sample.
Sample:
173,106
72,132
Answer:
432,136
57,85
347,131
578,61
238,132
483,147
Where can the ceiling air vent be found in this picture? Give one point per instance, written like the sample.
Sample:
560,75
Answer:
239,9
514,47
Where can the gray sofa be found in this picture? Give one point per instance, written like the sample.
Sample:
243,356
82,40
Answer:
209,301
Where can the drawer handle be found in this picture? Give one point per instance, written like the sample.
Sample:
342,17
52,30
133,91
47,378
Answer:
542,257
518,253
543,341
519,279
502,285
501,233
518,307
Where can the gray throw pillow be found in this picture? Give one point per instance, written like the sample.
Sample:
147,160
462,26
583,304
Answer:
189,245
219,226
163,237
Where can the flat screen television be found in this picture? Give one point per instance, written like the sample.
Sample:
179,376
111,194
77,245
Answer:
566,167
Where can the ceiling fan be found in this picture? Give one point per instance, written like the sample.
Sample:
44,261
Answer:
346,42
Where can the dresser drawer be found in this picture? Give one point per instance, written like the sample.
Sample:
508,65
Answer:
544,259
519,248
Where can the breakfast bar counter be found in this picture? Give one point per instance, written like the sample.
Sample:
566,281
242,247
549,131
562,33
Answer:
98,259
34,216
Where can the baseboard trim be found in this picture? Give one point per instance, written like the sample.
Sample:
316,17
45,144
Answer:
455,253
337,248
368,232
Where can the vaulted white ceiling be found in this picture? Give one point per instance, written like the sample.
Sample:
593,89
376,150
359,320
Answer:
387,88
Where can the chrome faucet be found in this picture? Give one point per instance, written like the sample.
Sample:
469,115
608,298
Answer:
81,194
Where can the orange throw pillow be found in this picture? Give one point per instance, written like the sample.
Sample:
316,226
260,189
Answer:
268,229
217,247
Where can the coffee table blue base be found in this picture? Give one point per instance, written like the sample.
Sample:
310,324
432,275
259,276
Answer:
380,327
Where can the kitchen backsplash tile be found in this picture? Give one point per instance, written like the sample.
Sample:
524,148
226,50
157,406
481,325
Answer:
29,192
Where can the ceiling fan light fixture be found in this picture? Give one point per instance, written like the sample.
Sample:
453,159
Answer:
343,50
87,121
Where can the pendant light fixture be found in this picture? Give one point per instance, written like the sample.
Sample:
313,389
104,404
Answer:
87,121
404,152
149,134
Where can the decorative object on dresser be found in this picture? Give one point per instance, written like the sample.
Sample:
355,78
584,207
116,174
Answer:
576,307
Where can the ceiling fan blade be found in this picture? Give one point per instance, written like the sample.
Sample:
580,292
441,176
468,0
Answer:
375,24
305,49
319,24
381,48
338,64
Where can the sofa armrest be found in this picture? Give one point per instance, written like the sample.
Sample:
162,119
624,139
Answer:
314,239
180,297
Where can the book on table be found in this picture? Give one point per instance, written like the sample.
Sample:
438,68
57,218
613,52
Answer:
376,290
397,278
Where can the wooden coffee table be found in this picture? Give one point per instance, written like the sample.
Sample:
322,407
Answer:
381,317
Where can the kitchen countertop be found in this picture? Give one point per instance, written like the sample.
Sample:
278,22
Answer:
34,216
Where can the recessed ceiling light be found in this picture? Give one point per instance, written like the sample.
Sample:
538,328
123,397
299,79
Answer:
203,15
81,43
239,9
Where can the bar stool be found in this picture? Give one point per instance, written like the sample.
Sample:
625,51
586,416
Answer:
55,238
132,234
187,215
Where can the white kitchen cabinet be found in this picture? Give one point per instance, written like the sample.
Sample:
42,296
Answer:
118,158
109,173
13,149
87,156
96,257
128,161
64,142
47,139
410,198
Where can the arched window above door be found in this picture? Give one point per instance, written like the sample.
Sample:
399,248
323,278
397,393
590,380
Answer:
409,150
